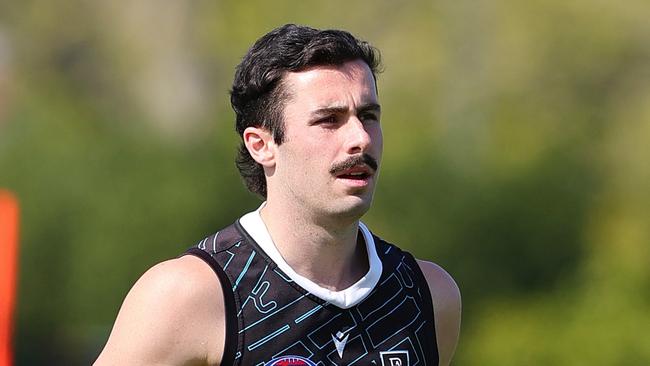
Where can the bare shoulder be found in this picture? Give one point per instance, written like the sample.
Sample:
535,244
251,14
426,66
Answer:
173,315
446,290
446,308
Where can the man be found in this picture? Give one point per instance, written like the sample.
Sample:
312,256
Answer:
300,281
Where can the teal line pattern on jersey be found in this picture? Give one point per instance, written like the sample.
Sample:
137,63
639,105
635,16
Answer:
232,255
417,338
285,278
308,314
256,295
214,243
408,339
295,344
401,288
268,337
201,244
243,271
273,313
410,298
257,285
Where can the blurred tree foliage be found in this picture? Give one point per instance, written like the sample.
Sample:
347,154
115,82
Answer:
516,147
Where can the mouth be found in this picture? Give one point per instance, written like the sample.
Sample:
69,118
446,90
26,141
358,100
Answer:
357,177
357,173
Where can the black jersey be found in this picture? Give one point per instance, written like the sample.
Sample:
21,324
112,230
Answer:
271,320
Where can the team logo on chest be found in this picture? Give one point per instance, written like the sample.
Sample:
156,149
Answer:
394,358
290,361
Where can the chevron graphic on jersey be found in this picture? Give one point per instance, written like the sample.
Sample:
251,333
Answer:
340,341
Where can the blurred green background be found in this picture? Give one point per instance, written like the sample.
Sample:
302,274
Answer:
516,156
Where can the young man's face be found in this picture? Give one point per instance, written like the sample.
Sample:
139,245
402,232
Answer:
329,160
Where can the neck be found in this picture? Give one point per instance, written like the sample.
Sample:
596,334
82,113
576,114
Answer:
331,254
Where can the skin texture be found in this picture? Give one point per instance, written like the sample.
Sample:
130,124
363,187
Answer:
174,314
332,116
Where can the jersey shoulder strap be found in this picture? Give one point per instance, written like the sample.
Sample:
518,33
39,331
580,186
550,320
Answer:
207,249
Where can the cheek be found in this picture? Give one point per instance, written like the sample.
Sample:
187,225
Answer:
377,138
303,161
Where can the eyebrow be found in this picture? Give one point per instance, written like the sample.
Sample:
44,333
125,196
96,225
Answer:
335,109
370,107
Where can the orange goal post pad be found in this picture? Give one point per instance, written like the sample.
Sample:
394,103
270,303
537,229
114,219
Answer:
8,272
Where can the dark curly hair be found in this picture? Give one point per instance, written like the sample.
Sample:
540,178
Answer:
257,94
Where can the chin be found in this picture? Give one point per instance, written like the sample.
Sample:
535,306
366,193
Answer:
353,207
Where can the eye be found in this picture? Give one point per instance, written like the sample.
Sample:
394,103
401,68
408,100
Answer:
369,117
328,120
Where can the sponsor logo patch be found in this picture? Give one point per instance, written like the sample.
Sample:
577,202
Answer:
394,358
290,361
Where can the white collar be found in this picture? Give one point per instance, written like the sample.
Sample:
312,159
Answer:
252,222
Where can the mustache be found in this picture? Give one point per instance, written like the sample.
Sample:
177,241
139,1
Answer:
354,161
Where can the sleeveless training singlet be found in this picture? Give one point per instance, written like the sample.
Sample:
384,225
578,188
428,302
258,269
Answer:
272,319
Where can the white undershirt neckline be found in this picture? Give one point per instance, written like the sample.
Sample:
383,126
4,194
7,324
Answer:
253,224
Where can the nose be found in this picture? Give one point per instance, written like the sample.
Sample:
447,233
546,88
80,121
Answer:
359,139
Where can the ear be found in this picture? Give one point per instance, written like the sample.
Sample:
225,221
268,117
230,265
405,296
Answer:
260,145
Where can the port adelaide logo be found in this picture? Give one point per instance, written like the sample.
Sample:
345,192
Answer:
290,361
394,358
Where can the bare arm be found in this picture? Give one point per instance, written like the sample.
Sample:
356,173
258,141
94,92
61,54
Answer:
446,309
173,315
